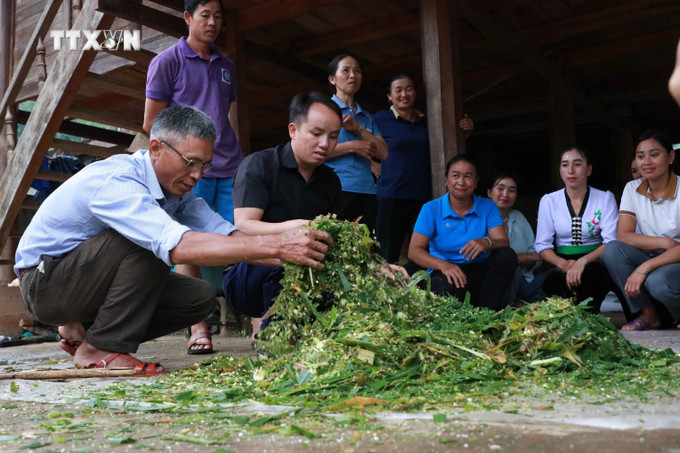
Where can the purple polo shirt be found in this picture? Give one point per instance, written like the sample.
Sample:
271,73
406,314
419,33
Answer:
182,77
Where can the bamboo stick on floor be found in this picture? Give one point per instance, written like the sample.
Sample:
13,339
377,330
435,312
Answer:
70,373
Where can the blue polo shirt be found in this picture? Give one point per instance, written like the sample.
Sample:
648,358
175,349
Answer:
353,170
448,232
180,76
406,173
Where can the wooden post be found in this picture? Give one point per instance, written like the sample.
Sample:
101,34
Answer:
562,126
41,63
8,137
232,43
441,73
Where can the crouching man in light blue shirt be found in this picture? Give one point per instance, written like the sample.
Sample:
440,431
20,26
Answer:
96,257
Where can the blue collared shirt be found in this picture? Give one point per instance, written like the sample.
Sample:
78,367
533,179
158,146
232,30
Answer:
354,170
121,193
448,232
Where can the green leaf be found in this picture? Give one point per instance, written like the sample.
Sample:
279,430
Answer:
120,440
189,439
189,395
35,445
439,418
13,387
295,430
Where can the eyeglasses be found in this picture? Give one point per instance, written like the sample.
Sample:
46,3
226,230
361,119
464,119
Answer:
194,164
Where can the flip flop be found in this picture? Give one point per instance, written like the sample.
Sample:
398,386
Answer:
193,340
69,346
142,369
638,324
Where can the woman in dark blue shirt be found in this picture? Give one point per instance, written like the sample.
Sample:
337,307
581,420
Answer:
405,182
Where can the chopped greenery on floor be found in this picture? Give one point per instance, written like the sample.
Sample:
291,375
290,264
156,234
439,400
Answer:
402,348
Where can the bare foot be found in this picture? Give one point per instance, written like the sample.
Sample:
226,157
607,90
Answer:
256,323
87,355
72,332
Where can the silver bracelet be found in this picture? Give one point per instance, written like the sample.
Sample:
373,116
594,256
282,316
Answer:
641,273
488,239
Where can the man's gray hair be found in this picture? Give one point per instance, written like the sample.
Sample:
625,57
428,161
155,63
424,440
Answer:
176,123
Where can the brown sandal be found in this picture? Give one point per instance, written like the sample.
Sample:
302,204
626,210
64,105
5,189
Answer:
193,341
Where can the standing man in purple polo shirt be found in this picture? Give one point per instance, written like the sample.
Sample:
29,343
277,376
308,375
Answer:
194,73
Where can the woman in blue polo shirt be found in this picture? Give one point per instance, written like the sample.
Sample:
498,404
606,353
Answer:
359,143
460,237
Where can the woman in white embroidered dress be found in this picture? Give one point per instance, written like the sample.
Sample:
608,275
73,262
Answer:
574,224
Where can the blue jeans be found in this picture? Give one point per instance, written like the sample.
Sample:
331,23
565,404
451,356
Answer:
662,284
217,193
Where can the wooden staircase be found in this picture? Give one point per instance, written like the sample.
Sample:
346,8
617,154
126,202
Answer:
109,93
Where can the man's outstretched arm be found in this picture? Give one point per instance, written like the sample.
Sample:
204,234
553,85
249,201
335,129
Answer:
297,246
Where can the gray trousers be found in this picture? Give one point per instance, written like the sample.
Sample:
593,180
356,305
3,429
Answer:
662,285
123,293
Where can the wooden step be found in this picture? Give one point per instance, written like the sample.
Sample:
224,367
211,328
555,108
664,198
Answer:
55,176
104,117
85,148
30,204
109,84
85,131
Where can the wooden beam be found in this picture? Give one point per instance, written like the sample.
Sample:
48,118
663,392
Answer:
441,73
265,95
66,74
265,54
356,34
177,5
144,15
25,64
624,48
273,11
476,15
569,27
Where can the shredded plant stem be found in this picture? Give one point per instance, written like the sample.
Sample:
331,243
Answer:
345,332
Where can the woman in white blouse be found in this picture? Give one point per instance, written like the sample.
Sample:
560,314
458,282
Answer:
645,262
574,224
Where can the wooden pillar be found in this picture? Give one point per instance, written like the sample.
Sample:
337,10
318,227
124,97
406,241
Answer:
441,74
7,123
232,43
562,126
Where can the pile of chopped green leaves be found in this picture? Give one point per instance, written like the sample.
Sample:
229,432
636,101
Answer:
344,335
